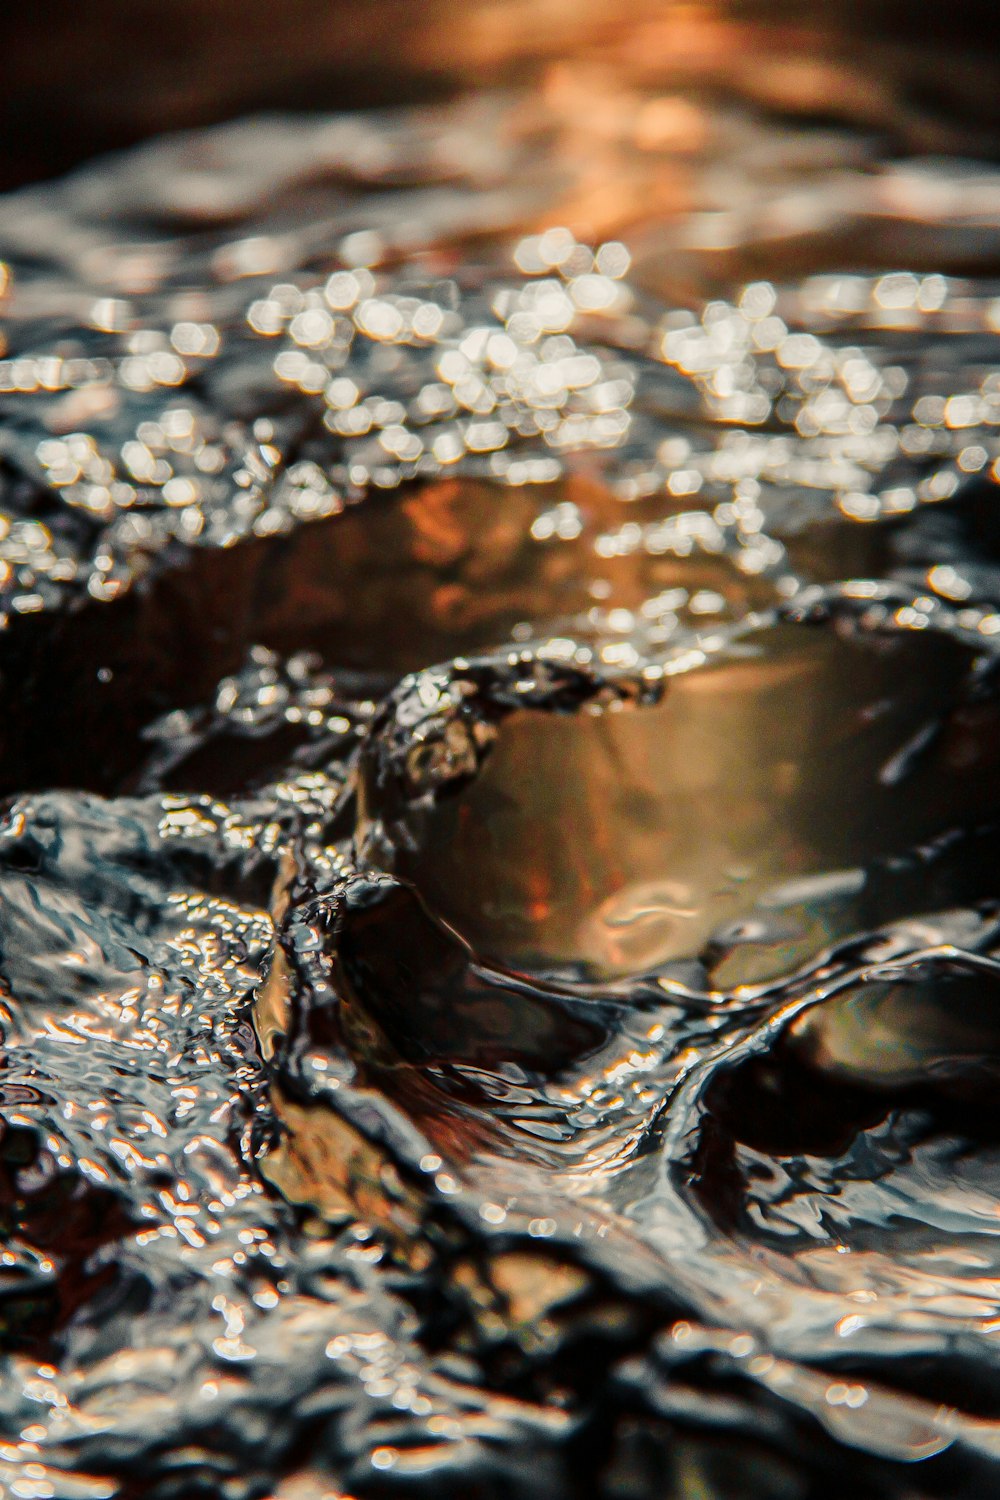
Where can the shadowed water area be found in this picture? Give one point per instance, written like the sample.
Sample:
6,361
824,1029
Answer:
500,739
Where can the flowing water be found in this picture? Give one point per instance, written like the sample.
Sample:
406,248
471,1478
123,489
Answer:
500,939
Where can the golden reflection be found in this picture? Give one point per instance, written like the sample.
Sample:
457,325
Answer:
460,565
324,1162
739,819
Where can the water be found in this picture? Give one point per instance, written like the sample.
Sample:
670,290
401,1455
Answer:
501,930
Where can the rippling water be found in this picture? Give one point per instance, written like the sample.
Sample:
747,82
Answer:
500,928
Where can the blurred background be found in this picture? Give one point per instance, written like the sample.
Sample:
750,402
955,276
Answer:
104,75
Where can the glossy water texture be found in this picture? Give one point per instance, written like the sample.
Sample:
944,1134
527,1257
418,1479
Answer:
500,930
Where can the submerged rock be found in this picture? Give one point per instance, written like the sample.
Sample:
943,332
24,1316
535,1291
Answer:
744,805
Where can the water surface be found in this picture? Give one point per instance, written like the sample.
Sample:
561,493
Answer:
500,916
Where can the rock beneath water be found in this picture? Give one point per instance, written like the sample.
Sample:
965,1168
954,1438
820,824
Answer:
937,1026
856,1157
775,791
426,574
